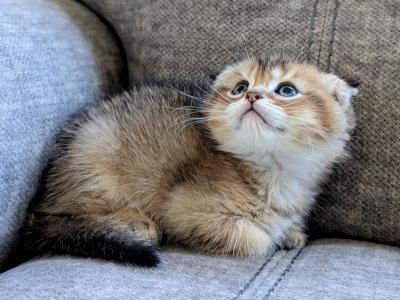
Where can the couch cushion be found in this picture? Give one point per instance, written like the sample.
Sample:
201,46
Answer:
326,269
356,39
55,56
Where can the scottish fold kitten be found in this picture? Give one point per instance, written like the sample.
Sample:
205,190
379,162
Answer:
232,173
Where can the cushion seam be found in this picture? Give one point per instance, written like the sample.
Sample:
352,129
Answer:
282,275
312,27
332,39
322,32
255,275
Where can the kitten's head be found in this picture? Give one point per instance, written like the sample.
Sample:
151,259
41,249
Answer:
260,106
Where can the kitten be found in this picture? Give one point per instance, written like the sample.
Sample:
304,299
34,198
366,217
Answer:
238,179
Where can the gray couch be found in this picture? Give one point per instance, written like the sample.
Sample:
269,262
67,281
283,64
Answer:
56,56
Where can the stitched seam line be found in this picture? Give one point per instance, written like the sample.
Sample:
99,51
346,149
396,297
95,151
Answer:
255,275
323,31
312,27
335,13
282,275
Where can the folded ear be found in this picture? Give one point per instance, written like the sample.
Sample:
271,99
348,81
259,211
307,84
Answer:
213,75
351,82
342,89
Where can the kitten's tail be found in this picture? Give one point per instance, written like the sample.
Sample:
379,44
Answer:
107,238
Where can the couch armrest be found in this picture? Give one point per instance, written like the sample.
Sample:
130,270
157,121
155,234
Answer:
55,57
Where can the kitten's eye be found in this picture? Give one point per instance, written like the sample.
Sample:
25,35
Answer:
240,88
286,90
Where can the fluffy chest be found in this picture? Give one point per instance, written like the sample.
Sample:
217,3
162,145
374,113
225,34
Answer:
284,193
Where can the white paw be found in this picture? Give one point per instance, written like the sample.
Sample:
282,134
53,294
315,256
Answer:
296,239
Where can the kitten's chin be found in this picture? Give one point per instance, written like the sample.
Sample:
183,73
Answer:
253,117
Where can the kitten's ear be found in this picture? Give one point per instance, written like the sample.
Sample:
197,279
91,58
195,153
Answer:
342,89
213,75
351,82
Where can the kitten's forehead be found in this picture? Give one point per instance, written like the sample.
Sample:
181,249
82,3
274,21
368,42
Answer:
264,71
275,69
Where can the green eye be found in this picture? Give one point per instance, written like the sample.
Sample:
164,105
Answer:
240,88
286,90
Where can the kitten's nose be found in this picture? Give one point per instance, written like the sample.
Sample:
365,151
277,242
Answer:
253,96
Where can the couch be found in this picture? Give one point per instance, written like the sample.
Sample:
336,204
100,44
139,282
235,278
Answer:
57,56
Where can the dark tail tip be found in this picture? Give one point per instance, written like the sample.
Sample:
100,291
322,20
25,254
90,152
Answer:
136,252
107,246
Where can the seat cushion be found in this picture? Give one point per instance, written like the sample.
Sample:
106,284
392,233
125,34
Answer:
55,57
356,39
326,269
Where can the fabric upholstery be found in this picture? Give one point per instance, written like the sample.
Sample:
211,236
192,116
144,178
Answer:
327,269
55,56
356,39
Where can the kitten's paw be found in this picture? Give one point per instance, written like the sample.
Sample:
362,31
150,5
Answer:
245,238
143,227
296,239
148,230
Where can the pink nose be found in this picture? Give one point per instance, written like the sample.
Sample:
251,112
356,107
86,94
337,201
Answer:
253,96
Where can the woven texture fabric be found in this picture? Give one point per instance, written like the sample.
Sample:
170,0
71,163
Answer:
55,57
363,197
336,269
355,39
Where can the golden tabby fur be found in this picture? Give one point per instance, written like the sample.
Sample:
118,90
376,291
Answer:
234,173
